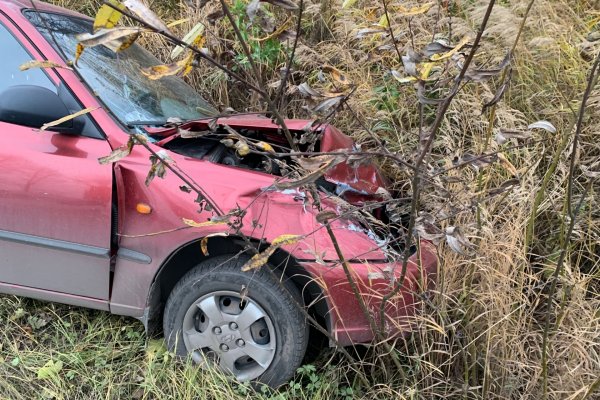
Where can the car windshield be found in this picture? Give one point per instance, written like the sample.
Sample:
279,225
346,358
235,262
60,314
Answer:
116,78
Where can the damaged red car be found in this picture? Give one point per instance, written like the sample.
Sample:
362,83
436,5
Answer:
76,231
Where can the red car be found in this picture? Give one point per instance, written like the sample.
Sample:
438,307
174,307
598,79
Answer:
75,231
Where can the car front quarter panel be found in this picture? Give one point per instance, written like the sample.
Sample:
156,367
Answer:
268,214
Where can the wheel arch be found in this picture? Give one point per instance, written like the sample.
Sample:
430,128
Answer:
187,256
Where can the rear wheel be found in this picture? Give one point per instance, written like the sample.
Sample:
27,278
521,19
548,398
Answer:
245,323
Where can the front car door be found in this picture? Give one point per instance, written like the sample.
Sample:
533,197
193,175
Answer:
55,199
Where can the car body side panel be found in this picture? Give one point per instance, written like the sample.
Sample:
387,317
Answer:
55,204
229,187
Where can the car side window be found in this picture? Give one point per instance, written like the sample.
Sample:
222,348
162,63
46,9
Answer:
13,56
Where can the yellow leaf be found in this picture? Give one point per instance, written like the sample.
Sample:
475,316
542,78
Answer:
409,12
242,148
260,259
188,67
160,71
402,79
204,245
456,49
348,3
426,70
194,224
78,52
67,118
41,64
192,37
108,17
265,147
120,45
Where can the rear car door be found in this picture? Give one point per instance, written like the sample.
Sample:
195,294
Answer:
55,199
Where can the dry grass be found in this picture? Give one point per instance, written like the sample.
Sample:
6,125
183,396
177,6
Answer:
481,335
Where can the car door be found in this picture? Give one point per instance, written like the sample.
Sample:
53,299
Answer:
55,198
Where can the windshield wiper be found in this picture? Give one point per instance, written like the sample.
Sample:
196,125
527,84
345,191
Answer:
133,124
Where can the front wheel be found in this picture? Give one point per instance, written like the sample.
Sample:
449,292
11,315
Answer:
246,323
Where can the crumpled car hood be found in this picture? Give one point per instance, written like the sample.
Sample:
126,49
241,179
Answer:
354,184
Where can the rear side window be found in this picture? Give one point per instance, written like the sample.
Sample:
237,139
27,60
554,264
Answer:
13,56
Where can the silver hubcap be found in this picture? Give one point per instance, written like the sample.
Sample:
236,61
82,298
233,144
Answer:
237,335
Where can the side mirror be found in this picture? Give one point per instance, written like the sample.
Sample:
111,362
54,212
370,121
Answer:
34,106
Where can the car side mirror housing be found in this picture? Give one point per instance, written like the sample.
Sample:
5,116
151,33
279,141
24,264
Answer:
35,106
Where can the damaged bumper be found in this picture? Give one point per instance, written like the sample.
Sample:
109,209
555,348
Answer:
375,279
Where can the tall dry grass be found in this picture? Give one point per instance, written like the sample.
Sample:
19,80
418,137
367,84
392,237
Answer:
481,335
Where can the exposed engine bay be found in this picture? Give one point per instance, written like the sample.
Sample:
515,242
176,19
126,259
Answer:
360,186
210,148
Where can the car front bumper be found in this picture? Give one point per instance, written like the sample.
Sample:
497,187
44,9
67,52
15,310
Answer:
347,323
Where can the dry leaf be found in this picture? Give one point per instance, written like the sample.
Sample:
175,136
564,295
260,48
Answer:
457,241
435,48
187,134
105,36
78,52
325,106
325,216
161,71
503,135
265,147
108,17
545,125
409,12
480,75
276,33
194,224
311,177
260,259
400,78
204,241
204,246
337,75
41,64
67,118
499,93
118,153
242,148
426,229
193,38
147,15
157,167
448,54
369,31
286,4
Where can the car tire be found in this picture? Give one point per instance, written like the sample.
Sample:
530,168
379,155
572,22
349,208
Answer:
247,323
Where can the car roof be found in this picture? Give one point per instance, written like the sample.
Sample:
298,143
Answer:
19,5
